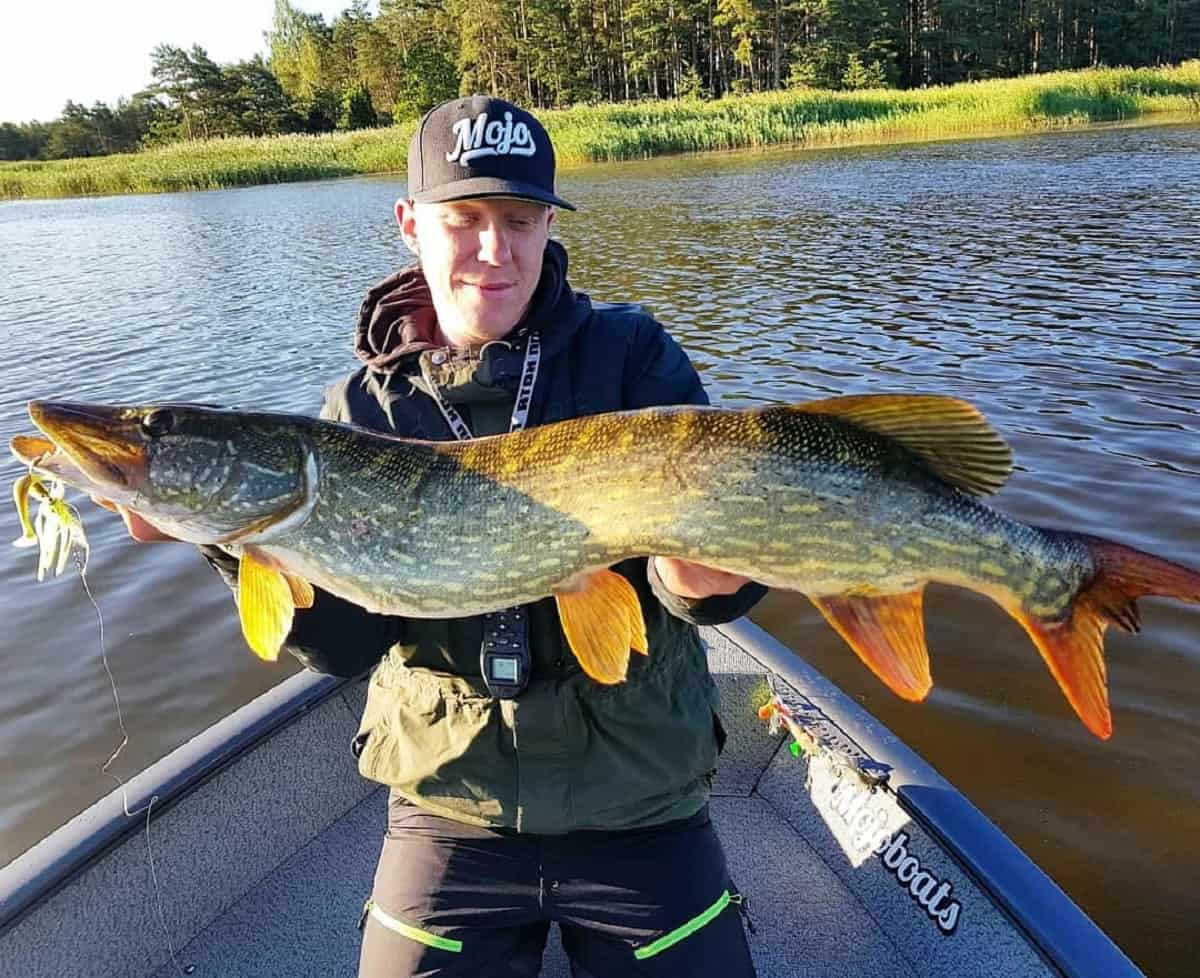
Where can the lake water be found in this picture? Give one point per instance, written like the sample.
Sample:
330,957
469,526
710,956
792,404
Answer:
1052,280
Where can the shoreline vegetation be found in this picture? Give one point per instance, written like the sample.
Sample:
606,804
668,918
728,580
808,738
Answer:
809,118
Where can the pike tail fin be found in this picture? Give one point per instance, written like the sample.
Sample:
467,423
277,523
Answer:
1073,647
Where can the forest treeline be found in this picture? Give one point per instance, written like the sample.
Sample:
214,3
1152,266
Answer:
368,69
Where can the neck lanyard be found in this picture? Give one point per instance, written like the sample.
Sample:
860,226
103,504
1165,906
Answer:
505,660
520,414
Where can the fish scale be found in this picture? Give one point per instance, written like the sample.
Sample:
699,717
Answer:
557,483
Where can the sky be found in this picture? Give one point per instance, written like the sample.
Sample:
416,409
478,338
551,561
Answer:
95,51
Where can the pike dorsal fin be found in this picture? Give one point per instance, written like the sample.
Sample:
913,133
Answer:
949,435
887,631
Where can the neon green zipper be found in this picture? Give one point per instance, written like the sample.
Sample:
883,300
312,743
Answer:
684,930
413,933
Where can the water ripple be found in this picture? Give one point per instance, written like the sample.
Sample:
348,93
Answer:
1051,280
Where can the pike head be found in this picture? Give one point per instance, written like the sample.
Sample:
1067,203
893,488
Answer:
201,474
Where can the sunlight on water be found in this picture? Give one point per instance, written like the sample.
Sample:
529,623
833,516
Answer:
1050,280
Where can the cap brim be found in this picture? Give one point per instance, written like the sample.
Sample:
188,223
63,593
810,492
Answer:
476,187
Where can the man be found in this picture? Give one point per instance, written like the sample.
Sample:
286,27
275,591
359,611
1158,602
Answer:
522,791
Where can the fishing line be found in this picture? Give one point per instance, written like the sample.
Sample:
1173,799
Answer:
57,530
81,564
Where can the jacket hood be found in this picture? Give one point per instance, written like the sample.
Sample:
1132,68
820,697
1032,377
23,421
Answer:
397,321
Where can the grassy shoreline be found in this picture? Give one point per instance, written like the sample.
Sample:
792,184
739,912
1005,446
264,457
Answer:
808,117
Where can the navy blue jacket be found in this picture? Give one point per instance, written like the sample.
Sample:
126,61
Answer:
596,358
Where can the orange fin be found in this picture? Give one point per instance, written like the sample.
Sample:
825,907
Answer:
1074,651
949,435
1074,647
887,632
302,591
637,636
602,620
265,606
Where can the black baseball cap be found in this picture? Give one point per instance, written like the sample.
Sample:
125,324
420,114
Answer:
481,147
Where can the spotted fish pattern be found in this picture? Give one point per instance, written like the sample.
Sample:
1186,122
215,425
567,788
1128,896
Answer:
857,502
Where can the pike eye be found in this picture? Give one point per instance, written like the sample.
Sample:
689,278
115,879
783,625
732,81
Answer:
157,423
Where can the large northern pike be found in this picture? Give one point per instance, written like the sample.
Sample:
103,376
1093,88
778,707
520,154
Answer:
857,501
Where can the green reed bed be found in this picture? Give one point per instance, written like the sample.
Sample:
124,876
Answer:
584,134
211,164
823,118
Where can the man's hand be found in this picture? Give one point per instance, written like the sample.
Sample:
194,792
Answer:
691,580
138,528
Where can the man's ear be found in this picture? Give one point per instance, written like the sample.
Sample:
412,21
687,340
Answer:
406,217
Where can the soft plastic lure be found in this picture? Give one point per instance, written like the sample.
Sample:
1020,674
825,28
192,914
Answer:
55,528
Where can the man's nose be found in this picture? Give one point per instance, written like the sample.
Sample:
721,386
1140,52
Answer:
494,245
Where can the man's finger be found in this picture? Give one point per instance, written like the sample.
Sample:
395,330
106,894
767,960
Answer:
691,580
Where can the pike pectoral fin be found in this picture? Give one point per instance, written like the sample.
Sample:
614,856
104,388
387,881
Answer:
302,591
265,605
887,631
602,619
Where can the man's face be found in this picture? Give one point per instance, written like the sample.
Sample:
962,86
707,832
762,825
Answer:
482,260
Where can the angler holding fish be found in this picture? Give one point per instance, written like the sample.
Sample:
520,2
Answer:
523,791
534,595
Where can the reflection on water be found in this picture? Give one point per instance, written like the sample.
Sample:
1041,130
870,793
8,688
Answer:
1051,280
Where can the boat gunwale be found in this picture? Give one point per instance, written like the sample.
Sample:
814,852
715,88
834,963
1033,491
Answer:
1066,937
71,849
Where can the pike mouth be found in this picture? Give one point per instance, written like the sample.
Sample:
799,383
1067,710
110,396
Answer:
32,450
42,456
100,443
